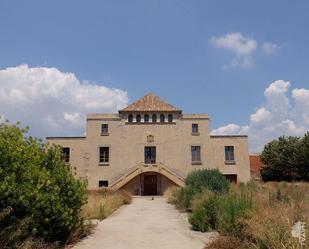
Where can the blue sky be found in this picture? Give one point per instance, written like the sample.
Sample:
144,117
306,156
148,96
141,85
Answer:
167,47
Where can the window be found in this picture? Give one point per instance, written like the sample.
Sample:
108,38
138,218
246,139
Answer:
104,155
66,154
146,118
194,128
162,118
196,153
150,154
130,118
229,153
170,118
154,118
103,183
138,118
104,129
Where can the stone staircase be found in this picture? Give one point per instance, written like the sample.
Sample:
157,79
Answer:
122,179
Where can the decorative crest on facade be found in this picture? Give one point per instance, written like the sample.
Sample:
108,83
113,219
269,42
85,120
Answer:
150,138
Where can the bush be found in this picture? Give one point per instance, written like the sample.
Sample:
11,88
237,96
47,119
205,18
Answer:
197,182
38,186
181,197
204,216
208,179
223,212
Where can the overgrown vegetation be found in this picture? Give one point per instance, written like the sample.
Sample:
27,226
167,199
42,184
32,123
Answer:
102,203
39,197
197,182
42,205
286,159
251,216
207,179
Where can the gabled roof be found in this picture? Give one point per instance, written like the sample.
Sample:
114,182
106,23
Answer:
150,102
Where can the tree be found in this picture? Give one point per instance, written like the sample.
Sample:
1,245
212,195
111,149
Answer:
285,159
303,169
37,185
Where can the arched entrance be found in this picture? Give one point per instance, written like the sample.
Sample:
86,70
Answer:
148,180
148,183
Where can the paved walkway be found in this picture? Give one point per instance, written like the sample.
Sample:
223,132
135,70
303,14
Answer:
145,224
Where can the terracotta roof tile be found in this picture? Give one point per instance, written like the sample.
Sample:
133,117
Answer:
150,102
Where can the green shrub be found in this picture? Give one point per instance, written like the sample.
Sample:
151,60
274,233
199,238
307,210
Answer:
199,220
204,216
182,197
232,209
38,186
196,183
209,179
223,212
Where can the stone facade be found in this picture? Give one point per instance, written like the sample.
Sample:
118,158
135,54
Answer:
144,154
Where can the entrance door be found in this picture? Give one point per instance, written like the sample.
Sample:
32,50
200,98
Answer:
150,184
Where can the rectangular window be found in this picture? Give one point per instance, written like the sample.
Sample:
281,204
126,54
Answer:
66,154
104,129
104,154
150,154
195,128
229,153
195,153
103,183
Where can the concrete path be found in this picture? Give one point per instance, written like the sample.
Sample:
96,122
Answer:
145,224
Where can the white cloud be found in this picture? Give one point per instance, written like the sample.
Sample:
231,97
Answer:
52,102
269,48
278,115
74,118
260,115
231,129
242,48
236,43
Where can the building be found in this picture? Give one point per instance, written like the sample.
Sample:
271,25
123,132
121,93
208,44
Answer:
255,166
149,146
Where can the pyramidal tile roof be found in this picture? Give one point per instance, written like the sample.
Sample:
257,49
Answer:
150,102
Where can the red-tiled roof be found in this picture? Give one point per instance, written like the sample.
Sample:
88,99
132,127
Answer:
150,102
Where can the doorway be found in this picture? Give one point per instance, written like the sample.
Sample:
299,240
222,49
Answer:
150,184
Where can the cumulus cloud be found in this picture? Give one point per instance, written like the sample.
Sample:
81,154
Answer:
261,115
52,102
231,129
278,115
269,48
240,46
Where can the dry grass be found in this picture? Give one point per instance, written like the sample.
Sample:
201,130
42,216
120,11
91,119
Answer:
276,208
102,203
169,194
224,243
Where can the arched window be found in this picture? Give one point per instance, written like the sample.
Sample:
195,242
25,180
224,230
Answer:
138,118
170,118
154,118
130,118
146,118
162,118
